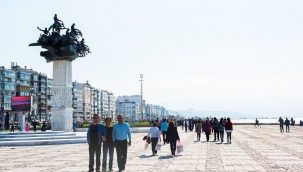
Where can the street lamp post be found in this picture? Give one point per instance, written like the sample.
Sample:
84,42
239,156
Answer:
141,107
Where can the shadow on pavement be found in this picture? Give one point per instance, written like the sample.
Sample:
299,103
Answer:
146,156
166,157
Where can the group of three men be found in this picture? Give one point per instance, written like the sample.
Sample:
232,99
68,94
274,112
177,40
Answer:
111,136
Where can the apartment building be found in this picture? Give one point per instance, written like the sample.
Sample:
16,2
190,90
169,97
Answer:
77,102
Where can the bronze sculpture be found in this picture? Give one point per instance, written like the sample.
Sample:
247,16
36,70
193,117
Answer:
61,47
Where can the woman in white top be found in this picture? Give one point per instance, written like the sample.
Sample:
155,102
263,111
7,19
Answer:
154,135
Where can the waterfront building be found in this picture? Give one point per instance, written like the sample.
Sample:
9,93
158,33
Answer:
137,99
7,87
49,99
77,102
86,101
129,109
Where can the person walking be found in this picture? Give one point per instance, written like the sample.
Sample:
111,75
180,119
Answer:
287,123
95,135
281,124
228,129
215,128
257,122
108,146
164,129
198,130
43,128
221,127
207,128
26,127
154,135
74,126
35,125
185,124
172,136
121,132
12,128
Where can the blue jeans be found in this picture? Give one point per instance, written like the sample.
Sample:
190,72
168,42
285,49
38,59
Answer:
110,148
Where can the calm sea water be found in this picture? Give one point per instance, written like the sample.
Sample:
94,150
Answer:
297,120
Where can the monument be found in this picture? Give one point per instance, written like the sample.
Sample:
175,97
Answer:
62,49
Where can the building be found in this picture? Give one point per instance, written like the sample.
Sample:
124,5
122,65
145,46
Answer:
49,99
137,99
7,87
86,101
112,105
129,109
42,97
77,102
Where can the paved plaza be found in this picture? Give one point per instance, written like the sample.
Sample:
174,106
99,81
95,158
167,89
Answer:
252,149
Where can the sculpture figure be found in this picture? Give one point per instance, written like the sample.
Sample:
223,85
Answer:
61,47
45,31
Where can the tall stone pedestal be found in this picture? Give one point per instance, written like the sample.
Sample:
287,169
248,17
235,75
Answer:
62,111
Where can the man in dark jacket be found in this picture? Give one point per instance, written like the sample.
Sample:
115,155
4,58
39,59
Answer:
95,135
287,123
281,124
215,127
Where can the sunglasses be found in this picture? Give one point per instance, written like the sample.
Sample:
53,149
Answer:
95,117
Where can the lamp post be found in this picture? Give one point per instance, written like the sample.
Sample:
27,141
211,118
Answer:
141,107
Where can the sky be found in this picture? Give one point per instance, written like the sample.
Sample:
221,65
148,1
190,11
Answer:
238,56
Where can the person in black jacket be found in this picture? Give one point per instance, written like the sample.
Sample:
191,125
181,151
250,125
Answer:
172,135
281,124
287,123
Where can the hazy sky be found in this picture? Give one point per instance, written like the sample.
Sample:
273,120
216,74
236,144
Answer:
239,56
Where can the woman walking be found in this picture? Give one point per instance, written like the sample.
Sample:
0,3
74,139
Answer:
221,126
199,130
172,135
229,129
207,128
154,134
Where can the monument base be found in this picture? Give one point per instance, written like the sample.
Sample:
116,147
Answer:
62,119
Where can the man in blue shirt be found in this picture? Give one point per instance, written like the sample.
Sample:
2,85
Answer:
121,132
95,135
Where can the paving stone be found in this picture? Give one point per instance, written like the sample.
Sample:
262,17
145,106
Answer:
251,150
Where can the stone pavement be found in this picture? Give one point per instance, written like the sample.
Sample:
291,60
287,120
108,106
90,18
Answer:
252,149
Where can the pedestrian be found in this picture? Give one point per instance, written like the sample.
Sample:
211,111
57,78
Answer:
257,122
281,124
221,127
207,128
43,128
12,128
108,146
74,126
172,136
164,129
287,123
154,135
198,130
35,125
26,127
121,132
190,124
228,129
215,128
95,135
185,124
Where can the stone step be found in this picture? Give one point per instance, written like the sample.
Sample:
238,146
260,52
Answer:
41,138
43,142
23,132
36,135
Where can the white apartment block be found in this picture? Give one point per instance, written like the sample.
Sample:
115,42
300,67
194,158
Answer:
133,98
129,109
107,104
86,98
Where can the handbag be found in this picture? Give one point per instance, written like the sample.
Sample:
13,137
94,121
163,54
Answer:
148,140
